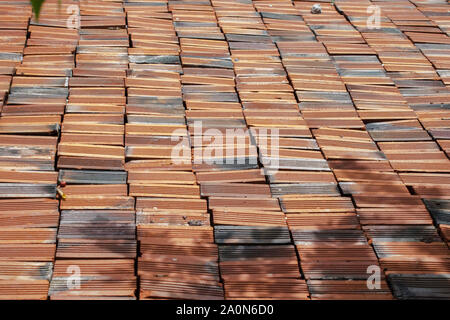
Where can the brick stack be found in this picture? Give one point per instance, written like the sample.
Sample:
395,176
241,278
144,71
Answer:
408,247
320,219
432,116
96,236
178,257
29,125
263,151
257,257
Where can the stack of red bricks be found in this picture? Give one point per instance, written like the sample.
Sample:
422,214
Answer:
96,249
32,96
224,149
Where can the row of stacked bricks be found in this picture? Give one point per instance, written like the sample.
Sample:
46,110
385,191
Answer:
396,93
178,258
434,117
335,256
257,256
304,139
432,112
32,99
96,244
426,90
